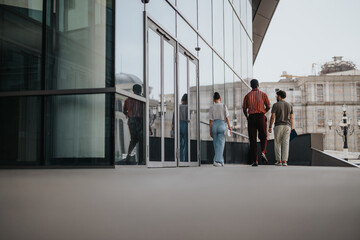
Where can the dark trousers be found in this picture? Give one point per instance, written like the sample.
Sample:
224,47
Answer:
257,123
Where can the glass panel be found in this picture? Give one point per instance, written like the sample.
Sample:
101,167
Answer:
237,45
183,108
129,130
77,40
20,45
205,24
243,7
162,13
250,60
129,46
219,76
249,14
193,111
218,26
186,35
244,55
169,101
240,91
229,96
228,23
77,129
20,129
188,9
154,96
205,98
236,4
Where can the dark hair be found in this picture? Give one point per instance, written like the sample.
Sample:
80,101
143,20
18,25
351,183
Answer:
254,83
216,96
137,89
184,98
281,93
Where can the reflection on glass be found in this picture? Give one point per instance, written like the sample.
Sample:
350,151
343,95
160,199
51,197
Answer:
237,45
205,24
249,18
243,9
129,44
129,140
250,61
20,128
186,35
77,42
76,130
155,110
218,21
206,82
193,111
228,23
163,13
218,75
169,102
20,45
188,8
205,97
236,4
229,96
244,54
183,108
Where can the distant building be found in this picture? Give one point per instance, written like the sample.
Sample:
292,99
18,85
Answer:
317,99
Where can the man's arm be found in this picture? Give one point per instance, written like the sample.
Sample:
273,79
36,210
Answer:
272,119
267,103
245,112
292,121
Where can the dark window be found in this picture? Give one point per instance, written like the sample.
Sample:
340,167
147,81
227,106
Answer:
20,45
20,128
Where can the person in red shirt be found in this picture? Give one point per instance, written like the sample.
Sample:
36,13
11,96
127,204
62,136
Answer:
133,109
256,104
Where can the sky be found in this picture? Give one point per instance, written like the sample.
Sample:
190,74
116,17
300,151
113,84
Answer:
303,32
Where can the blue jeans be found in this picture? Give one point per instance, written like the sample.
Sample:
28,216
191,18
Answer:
183,141
218,131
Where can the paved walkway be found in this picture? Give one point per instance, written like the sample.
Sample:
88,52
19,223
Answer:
234,202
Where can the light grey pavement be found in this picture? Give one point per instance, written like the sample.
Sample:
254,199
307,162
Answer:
234,202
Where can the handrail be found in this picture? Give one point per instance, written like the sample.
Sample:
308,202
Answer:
234,132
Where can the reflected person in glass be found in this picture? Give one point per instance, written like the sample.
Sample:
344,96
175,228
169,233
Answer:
218,114
133,109
183,113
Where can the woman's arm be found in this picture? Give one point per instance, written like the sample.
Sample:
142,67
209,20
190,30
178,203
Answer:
210,123
228,123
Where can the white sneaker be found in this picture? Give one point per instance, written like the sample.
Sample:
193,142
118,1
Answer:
284,164
216,164
278,163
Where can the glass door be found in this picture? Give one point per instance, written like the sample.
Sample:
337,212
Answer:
162,124
188,105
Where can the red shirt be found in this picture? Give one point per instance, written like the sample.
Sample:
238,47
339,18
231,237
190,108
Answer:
255,101
133,108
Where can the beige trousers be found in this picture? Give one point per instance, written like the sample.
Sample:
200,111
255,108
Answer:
282,140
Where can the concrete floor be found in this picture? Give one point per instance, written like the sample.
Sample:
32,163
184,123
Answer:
234,202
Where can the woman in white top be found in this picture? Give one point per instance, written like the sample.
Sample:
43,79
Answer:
218,114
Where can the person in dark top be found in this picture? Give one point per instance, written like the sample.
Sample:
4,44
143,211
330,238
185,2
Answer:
183,114
282,113
133,109
256,104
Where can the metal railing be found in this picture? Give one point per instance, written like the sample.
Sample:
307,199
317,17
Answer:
233,132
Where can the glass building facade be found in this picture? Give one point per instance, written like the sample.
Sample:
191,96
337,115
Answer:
104,82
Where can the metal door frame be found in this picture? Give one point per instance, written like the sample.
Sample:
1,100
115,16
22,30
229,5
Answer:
190,58
149,23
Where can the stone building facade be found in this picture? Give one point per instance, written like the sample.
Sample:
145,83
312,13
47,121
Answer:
318,99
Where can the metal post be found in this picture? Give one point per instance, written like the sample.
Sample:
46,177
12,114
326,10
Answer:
345,131
345,137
